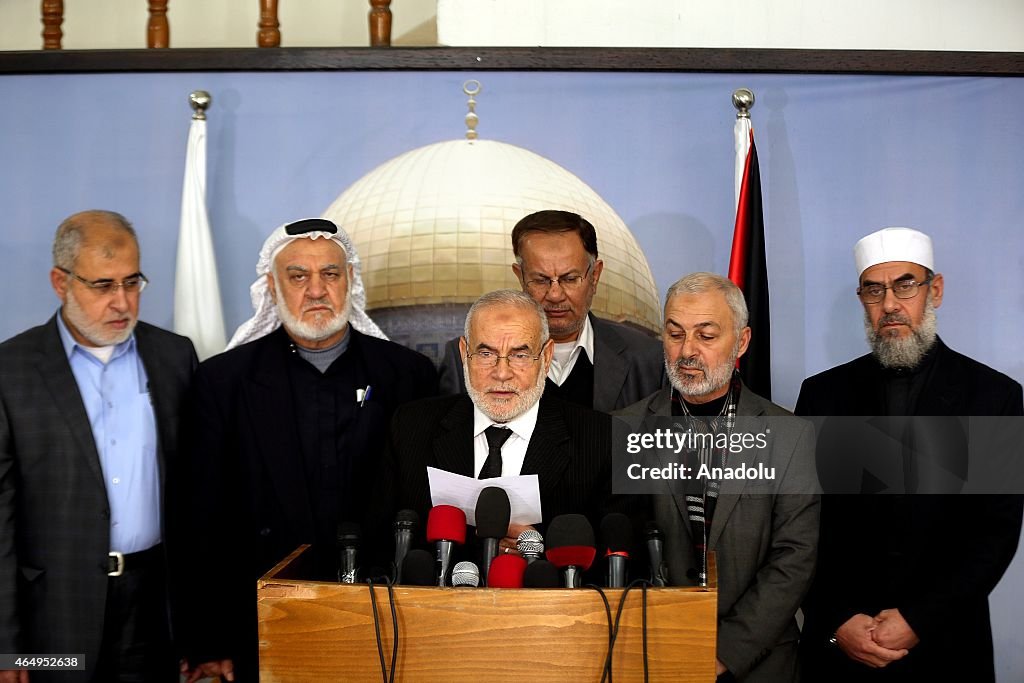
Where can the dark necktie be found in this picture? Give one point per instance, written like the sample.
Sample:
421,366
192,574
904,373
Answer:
496,438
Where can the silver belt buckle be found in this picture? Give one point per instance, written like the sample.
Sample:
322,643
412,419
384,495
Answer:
120,564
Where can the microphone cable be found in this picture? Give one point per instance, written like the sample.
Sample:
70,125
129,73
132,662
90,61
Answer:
643,583
376,627
606,673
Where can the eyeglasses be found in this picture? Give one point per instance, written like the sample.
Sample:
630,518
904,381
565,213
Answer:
567,282
484,360
132,284
901,289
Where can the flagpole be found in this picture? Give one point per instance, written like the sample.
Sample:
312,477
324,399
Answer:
743,100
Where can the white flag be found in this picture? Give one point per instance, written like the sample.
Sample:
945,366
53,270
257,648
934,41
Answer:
197,311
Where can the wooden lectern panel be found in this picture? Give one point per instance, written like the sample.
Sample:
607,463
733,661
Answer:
324,631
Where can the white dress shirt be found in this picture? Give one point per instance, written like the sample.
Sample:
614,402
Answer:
513,452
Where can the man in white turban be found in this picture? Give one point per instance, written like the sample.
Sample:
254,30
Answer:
283,433
901,592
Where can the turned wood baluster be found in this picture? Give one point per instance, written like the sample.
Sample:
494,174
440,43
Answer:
268,35
380,23
158,32
53,17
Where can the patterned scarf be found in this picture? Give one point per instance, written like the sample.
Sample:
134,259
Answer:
701,494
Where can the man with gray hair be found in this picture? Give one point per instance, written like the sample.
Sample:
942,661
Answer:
283,431
903,580
89,406
505,426
765,542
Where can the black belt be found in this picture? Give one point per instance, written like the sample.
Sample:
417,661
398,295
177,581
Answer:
119,563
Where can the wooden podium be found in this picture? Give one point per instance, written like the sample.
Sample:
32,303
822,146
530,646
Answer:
312,630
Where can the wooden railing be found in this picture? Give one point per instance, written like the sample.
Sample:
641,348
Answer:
158,31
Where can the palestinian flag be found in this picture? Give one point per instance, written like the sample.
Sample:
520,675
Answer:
747,266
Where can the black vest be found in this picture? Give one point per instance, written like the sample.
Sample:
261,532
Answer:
578,387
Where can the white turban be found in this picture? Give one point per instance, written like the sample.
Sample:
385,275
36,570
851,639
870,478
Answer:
894,244
266,319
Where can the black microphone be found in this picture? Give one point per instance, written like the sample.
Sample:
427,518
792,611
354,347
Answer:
348,542
570,546
418,568
530,545
406,522
541,574
659,571
617,536
492,516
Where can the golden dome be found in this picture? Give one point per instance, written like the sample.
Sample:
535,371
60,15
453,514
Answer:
433,226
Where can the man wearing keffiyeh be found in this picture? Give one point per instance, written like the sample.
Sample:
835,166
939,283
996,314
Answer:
765,542
283,433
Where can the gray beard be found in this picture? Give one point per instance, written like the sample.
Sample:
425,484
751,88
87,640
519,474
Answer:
903,352
508,411
314,332
712,380
94,332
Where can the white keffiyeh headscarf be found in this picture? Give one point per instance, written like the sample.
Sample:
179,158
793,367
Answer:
266,319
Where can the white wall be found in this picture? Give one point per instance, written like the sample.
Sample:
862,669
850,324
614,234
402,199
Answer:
841,24
838,24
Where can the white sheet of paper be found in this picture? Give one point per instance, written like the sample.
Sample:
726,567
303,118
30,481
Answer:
447,488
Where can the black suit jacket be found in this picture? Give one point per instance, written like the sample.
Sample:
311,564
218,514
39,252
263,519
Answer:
54,514
954,549
628,366
242,500
569,451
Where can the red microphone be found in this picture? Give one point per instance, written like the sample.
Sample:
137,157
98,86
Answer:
506,572
570,546
446,526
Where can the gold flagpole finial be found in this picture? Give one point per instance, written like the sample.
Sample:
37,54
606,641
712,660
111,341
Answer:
199,100
743,100
471,88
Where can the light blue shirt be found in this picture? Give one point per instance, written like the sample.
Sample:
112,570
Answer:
117,400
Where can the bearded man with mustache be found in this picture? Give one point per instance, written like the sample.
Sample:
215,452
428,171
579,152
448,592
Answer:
901,592
89,406
283,430
507,424
765,541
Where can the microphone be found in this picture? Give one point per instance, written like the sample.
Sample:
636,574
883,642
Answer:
466,574
418,568
530,545
617,536
492,516
541,574
446,527
406,522
659,571
348,541
570,544
506,572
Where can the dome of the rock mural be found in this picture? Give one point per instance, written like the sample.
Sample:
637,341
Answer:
433,227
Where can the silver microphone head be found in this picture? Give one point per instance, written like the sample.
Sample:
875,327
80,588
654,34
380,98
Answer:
465,574
530,542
